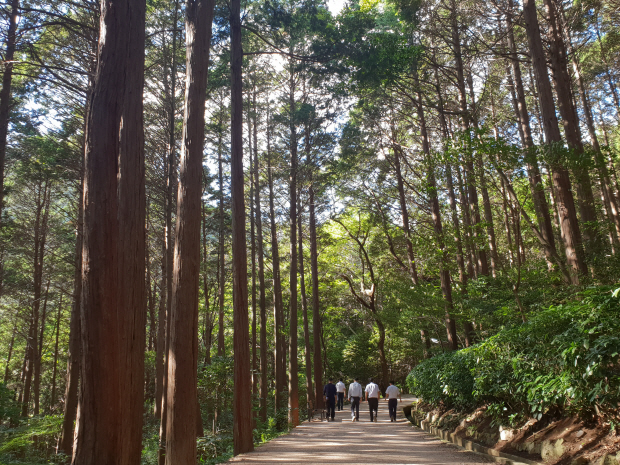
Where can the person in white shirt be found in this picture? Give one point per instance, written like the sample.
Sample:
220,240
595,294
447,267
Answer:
340,390
372,396
391,395
355,395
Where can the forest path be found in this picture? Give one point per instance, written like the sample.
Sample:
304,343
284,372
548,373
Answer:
343,441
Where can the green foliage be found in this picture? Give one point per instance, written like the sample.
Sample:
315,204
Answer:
32,440
564,359
9,409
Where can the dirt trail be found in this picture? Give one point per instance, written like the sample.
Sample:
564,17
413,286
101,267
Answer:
343,441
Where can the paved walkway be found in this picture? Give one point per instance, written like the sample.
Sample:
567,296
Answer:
343,441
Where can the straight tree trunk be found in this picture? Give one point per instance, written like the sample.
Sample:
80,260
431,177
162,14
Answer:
74,356
293,390
413,272
278,310
316,316
39,355
261,274
5,92
254,361
536,185
182,401
570,121
304,307
451,195
481,257
161,336
221,345
40,235
486,202
113,307
610,201
9,354
209,315
571,232
446,286
242,397
55,364
170,91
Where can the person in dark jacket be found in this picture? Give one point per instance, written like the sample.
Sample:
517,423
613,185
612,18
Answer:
330,393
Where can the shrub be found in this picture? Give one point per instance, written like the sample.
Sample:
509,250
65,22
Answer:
566,358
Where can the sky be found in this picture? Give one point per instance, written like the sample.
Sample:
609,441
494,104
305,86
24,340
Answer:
335,6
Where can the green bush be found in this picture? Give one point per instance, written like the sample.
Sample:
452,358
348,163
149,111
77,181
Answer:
9,409
566,358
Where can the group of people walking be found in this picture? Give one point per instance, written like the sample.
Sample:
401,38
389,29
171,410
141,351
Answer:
335,395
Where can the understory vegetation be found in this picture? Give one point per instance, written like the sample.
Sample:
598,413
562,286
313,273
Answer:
565,360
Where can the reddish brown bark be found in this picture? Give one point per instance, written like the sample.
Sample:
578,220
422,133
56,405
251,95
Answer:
278,311
109,427
5,92
293,381
181,397
73,358
316,316
571,232
242,398
261,274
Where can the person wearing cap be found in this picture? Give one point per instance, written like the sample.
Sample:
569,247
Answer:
372,396
391,395
355,395
329,391
340,390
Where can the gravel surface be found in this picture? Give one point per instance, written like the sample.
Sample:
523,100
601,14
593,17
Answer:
343,441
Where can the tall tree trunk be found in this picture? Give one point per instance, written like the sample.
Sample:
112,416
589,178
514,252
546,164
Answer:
113,316
570,121
170,90
413,272
278,310
253,343
536,185
451,195
316,316
55,364
40,234
74,356
161,335
446,287
181,397
609,199
304,307
486,202
565,202
209,314
36,385
261,274
9,354
221,345
293,391
481,258
242,398
5,92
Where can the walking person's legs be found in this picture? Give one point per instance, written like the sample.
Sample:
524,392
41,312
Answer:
340,400
392,404
357,408
331,408
373,407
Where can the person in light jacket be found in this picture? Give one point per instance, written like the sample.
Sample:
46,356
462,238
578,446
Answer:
355,395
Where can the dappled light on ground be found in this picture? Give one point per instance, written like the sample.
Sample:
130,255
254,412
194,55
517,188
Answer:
343,441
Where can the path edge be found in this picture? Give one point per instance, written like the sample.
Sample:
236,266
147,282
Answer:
466,444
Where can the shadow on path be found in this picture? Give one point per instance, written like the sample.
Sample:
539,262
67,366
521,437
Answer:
343,441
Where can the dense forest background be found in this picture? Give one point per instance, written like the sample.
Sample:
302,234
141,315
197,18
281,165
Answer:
419,177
